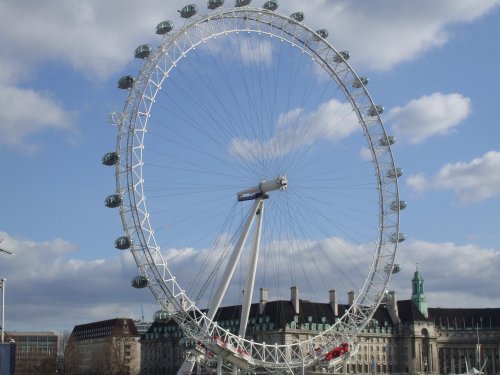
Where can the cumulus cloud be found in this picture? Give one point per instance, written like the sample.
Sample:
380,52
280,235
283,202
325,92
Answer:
24,112
471,283
97,38
473,181
94,38
254,53
314,266
435,114
375,43
331,120
49,288
67,291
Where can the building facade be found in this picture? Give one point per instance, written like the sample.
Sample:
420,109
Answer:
36,352
105,347
404,337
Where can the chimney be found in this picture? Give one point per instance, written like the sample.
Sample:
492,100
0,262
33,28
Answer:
264,298
392,307
333,302
295,299
350,298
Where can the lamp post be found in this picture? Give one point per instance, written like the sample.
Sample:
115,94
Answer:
2,285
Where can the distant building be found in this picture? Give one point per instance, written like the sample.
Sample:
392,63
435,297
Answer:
404,337
36,352
105,347
142,326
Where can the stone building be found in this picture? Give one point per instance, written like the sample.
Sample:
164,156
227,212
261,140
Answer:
105,347
404,337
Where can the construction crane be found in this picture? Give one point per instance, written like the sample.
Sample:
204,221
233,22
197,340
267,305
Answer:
5,251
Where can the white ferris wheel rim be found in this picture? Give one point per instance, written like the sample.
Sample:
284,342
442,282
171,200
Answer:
132,124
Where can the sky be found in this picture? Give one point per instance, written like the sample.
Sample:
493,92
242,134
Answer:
431,64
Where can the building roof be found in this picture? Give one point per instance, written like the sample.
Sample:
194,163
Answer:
451,317
465,318
105,328
282,312
408,312
278,314
42,333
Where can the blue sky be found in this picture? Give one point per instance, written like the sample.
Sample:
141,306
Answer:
432,66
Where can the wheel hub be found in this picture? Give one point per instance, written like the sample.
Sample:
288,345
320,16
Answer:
263,188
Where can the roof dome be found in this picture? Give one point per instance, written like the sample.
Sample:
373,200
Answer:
162,315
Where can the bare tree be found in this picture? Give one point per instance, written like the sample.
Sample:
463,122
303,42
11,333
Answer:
72,358
62,345
117,356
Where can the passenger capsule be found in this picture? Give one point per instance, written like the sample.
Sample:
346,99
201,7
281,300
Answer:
189,11
386,296
142,51
387,141
297,16
125,82
342,56
323,33
213,4
394,269
360,82
397,237
164,27
111,158
270,5
123,243
398,205
394,173
113,201
140,282
375,110
242,3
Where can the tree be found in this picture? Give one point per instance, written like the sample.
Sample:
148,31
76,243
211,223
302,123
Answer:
117,356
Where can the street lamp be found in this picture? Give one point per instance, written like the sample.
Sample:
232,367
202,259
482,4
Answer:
2,286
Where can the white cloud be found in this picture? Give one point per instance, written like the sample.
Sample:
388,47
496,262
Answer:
366,154
48,288
253,53
98,38
307,263
435,114
473,181
67,291
455,275
376,43
24,112
297,128
95,38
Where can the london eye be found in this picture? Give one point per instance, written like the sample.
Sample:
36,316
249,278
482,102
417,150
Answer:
250,156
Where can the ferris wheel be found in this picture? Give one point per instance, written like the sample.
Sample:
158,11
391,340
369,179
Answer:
250,157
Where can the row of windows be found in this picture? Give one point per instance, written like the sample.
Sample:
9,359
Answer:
35,340
377,357
377,348
382,340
